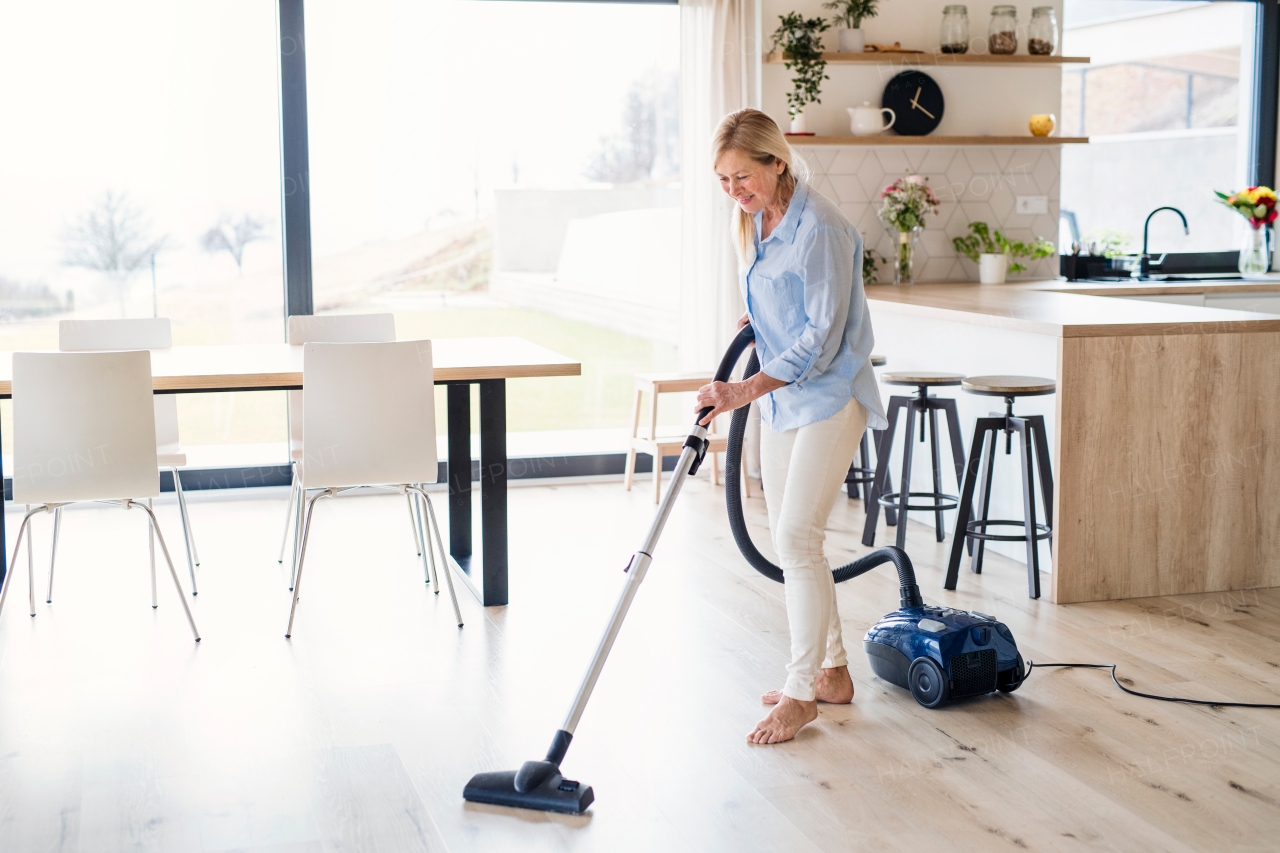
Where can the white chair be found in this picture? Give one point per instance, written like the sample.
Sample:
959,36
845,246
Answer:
331,329
148,334
84,430
371,420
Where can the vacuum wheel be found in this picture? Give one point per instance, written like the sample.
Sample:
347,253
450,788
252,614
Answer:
1009,681
928,682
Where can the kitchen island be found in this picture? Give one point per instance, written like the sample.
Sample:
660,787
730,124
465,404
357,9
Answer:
1165,428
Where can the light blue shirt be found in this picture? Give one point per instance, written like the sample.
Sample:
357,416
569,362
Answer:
813,329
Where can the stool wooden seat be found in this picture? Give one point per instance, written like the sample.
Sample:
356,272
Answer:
878,360
1009,386
928,378
662,446
974,522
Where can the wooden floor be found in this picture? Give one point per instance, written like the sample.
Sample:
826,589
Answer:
118,733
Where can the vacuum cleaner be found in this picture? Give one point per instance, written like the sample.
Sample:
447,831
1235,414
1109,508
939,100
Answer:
937,653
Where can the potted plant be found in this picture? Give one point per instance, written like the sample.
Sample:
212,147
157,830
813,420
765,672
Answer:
903,208
1258,206
799,40
870,261
994,253
848,20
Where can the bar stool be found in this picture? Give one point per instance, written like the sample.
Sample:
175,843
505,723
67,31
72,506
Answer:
858,480
1031,431
924,404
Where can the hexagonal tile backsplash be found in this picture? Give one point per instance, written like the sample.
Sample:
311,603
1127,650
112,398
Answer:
973,184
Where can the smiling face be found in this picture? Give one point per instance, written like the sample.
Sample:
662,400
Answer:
753,185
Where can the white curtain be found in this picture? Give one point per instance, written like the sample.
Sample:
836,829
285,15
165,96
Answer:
719,73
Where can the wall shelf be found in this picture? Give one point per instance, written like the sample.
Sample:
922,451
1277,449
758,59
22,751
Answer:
938,59
894,141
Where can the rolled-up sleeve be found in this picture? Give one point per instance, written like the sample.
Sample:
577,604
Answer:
829,255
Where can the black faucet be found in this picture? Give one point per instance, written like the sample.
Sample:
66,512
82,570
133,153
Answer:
1144,261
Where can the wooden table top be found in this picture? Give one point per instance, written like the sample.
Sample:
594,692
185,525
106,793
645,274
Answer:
1040,306
263,366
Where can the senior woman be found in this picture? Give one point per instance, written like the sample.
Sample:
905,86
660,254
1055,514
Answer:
800,265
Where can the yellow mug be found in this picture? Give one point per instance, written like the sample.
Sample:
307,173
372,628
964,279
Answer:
1042,125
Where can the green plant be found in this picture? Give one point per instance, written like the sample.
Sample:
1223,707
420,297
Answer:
1111,242
869,264
850,13
983,241
798,39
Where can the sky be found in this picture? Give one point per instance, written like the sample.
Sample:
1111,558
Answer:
412,105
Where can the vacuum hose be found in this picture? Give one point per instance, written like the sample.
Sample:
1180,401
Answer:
909,591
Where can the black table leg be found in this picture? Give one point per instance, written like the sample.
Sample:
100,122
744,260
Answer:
493,489
459,418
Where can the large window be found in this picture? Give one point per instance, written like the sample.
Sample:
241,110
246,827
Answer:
505,168
139,176
1167,102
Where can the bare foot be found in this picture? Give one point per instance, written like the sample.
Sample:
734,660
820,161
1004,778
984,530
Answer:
787,718
833,686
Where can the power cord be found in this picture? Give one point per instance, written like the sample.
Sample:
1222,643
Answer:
1111,666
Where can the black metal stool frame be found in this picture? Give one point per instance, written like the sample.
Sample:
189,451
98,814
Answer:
862,474
978,472
881,495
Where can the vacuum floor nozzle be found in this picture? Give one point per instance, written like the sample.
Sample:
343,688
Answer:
553,794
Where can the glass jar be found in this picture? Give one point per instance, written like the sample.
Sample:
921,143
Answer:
1042,35
1002,35
955,29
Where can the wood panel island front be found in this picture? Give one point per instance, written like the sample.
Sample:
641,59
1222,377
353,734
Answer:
1165,427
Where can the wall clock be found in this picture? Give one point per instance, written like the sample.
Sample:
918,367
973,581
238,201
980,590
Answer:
916,100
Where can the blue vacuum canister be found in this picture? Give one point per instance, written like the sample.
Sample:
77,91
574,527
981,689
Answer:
940,654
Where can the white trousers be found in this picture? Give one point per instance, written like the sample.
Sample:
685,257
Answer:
803,470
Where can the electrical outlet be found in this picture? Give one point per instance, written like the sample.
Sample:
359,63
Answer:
1033,204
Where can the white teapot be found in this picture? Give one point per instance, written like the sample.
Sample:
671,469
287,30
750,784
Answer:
867,120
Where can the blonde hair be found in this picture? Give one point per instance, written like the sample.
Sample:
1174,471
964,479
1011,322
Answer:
757,136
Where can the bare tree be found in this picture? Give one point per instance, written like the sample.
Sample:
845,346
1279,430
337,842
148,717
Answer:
232,236
112,237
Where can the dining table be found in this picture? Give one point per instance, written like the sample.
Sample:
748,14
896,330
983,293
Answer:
458,363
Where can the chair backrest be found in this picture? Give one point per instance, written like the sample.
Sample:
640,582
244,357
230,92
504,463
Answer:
341,329
150,333
370,417
332,329
79,335
83,427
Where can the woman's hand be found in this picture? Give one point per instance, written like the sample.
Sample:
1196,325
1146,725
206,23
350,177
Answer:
724,397
746,318
721,397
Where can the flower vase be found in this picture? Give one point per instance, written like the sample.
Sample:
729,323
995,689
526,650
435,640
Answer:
905,252
1254,258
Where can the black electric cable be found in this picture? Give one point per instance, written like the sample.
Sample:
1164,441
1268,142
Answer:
1032,665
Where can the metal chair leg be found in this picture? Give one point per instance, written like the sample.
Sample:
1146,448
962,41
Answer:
413,522
984,489
429,554
297,532
939,525
17,546
1029,505
448,576
151,550
186,530
288,510
965,511
302,555
904,487
188,534
53,551
1045,470
173,573
878,486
